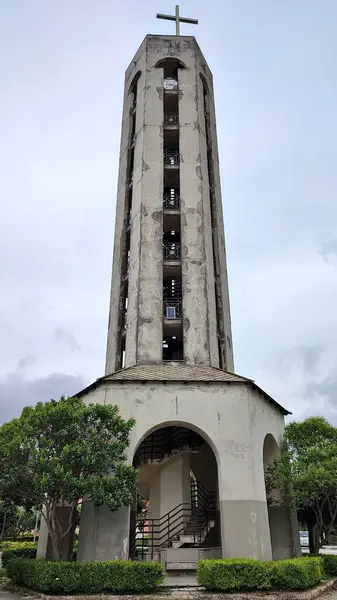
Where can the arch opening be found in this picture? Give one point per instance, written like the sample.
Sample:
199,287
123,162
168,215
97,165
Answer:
170,66
178,485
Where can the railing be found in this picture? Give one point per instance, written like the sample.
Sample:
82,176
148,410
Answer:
172,308
171,202
171,119
150,535
170,84
172,251
171,158
160,445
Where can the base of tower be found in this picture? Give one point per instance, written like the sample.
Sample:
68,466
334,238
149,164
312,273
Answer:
202,441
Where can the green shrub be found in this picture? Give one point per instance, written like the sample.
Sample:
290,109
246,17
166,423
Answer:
16,545
297,573
233,574
245,574
12,550
52,577
329,564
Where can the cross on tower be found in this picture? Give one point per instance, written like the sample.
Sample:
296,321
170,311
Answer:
177,19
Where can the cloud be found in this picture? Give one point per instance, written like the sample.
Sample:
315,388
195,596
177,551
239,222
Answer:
16,391
62,336
27,361
328,251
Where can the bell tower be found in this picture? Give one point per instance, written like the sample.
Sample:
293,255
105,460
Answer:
169,292
203,436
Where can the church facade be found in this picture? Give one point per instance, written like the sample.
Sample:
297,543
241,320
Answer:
203,435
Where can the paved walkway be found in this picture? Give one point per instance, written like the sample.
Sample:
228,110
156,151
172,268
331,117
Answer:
180,580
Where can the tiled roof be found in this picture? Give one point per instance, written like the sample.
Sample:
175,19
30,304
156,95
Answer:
176,372
180,372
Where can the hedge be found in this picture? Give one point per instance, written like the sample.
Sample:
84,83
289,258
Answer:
53,577
244,574
329,564
12,550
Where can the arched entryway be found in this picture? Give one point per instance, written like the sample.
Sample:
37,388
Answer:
177,517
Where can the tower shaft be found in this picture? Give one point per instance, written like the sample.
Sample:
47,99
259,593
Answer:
169,293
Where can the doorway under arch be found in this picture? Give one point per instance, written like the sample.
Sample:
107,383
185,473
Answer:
178,483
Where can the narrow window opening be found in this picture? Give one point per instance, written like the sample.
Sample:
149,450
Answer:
173,348
126,239
217,288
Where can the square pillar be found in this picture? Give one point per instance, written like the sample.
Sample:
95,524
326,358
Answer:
104,535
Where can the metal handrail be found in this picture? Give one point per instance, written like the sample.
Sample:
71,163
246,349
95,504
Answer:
171,119
162,531
171,158
174,303
171,202
172,251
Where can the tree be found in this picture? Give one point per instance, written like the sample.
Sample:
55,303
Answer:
16,520
306,475
59,453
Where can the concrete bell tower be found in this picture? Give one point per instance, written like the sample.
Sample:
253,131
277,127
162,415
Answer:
203,435
169,293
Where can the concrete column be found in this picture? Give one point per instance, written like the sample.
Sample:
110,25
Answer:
285,539
104,535
193,173
171,487
245,529
150,284
45,548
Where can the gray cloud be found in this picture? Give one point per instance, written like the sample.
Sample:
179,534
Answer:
65,337
16,392
328,250
27,361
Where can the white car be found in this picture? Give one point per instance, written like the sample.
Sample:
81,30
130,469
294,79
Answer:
304,538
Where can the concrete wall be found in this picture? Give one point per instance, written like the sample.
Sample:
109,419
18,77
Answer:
235,420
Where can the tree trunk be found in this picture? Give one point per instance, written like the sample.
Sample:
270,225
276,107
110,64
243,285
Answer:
311,536
317,535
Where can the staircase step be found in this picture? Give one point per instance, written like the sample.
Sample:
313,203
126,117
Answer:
181,566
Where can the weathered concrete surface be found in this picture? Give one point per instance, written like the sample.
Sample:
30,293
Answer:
234,420
204,317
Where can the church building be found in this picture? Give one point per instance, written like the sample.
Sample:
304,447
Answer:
203,435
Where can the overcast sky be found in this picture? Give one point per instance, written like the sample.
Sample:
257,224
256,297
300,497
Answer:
62,66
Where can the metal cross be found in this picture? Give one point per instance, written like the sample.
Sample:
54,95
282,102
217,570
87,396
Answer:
177,19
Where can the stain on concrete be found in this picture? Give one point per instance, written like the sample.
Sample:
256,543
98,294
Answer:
143,320
198,159
160,92
145,166
236,449
144,211
199,172
229,341
186,323
138,401
157,215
